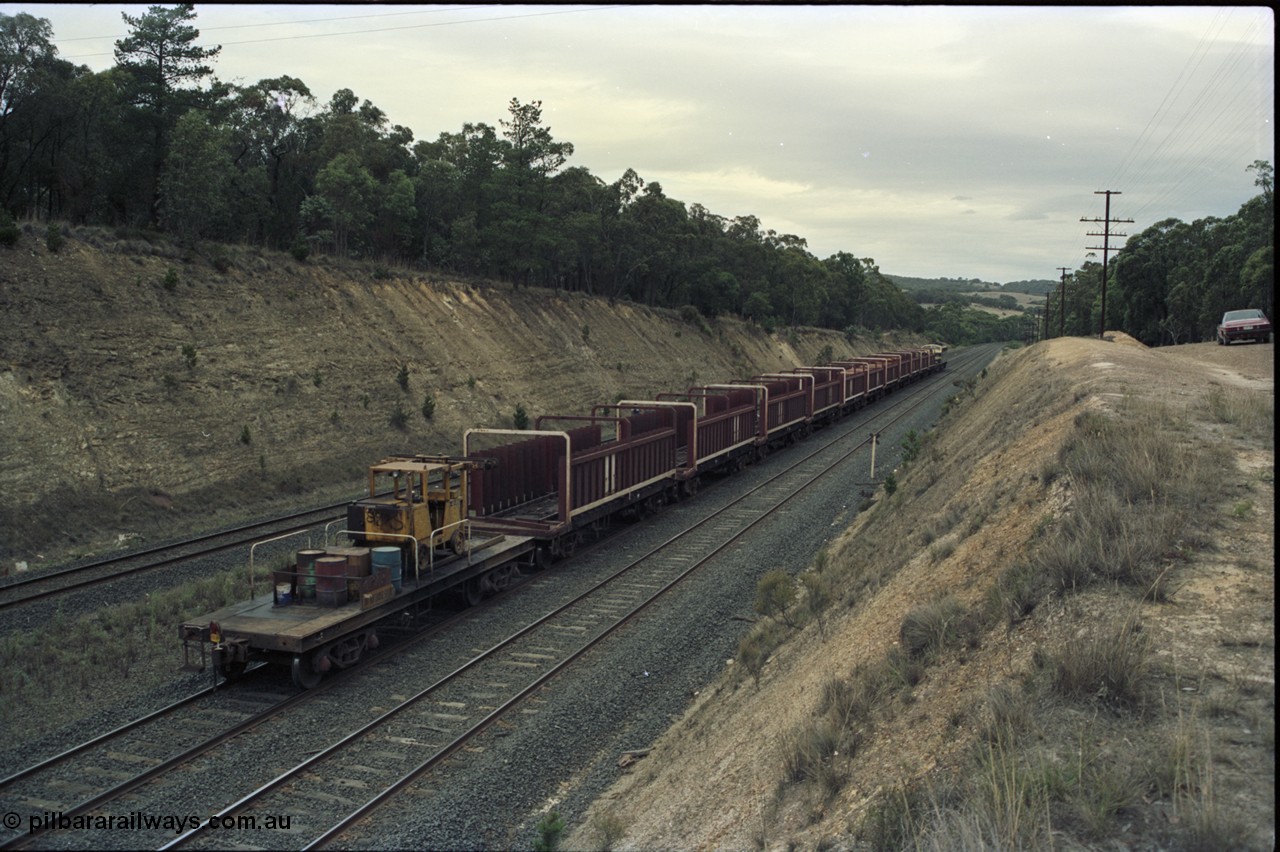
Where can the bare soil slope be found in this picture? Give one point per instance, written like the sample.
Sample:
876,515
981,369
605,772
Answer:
144,392
984,493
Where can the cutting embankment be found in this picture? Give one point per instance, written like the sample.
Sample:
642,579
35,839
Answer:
1057,630
148,391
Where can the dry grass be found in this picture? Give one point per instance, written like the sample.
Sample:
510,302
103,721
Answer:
50,669
930,629
1063,536
1251,413
1109,667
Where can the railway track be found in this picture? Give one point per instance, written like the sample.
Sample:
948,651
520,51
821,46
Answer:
443,717
85,777
45,585
439,721
145,750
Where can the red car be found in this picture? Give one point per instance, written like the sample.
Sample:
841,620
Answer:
1250,324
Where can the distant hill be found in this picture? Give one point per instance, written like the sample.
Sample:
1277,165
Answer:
970,285
942,285
1037,287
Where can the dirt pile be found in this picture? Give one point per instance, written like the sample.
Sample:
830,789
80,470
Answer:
734,773
143,390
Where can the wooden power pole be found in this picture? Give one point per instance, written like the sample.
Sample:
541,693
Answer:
1106,235
1062,302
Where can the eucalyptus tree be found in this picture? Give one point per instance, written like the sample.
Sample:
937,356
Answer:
270,139
1144,277
197,180
343,206
453,182
24,45
166,66
655,238
582,209
520,234
847,289
713,289
747,260
797,280
38,111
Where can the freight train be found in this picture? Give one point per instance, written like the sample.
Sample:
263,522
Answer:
517,500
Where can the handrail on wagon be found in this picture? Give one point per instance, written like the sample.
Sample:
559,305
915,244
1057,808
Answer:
350,533
254,547
431,552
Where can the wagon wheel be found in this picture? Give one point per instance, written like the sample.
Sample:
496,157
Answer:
500,579
541,558
304,676
458,541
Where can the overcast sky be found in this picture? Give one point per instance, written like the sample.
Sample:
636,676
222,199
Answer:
940,141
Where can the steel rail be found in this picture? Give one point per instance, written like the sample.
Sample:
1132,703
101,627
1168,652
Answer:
483,724
280,707
51,576
899,411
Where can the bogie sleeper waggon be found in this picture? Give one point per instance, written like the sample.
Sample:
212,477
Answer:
517,500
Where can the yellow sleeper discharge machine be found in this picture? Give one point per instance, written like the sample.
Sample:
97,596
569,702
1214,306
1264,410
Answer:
415,499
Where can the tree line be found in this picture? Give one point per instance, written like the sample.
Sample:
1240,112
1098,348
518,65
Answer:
158,142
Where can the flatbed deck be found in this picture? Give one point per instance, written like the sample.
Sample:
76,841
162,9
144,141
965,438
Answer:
300,627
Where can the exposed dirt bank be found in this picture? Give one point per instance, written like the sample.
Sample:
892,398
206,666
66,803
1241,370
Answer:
141,395
723,777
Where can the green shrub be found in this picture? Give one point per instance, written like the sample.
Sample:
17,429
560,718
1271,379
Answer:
170,279
817,595
1016,592
399,417
300,250
402,378
428,407
550,827
775,593
520,418
9,232
890,483
821,751
911,447
608,829
53,239
245,437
